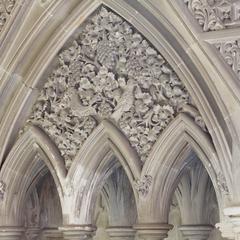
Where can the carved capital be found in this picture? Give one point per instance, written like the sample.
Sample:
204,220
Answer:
3,187
142,186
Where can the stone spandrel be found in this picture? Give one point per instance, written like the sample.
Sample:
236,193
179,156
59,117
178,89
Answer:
109,70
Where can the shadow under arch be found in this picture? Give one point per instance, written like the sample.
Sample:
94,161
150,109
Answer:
31,154
105,150
170,155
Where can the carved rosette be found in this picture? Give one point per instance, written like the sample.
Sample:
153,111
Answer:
2,190
230,51
110,71
215,14
6,7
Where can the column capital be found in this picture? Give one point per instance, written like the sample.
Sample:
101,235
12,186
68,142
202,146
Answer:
121,232
196,232
11,232
78,232
152,231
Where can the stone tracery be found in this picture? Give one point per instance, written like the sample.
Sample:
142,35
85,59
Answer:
110,71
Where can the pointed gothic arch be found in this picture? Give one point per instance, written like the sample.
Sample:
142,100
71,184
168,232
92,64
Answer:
170,155
93,165
30,156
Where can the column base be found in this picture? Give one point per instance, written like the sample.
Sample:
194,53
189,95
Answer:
121,233
11,233
152,231
196,232
78,232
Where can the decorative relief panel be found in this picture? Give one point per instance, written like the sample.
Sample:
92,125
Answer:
230,51
110,71
6,7
215,14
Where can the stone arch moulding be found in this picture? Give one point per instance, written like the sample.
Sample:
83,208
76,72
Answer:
165,167
93,165
32,75
31,154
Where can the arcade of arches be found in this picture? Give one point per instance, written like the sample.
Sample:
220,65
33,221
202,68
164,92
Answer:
119,119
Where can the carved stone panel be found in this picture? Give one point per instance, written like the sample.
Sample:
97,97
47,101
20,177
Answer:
215,14
109,70
230,51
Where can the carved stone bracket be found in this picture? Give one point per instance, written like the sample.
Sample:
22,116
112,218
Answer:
2,190
143,186
215,14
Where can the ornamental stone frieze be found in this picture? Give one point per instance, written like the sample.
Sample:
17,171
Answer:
230,51
109,70
215,14
6,7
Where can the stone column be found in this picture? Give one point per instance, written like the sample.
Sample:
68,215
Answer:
51,234
121,233
78,232
152,231
226,229
11,233
233,214
32,233
195,232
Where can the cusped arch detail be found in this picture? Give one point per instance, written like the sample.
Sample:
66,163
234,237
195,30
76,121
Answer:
171,154
105,150
32,154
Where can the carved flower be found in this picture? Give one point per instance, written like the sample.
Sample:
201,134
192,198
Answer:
85,83
105,109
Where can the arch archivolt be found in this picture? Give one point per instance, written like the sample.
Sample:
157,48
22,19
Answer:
182,141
